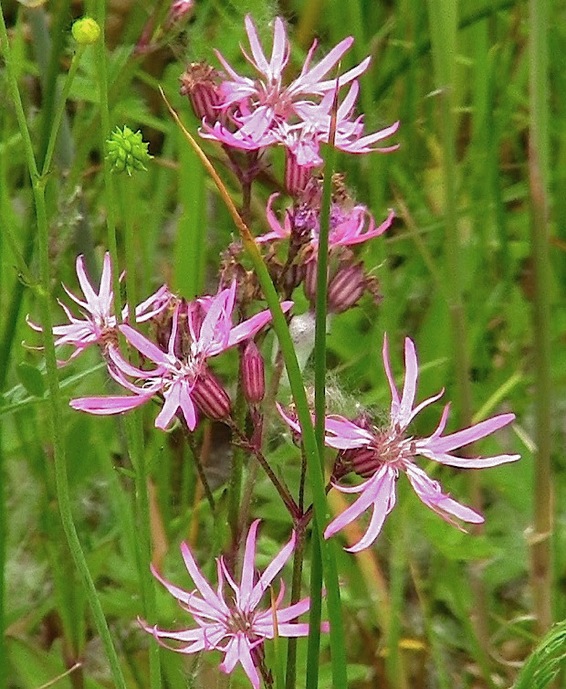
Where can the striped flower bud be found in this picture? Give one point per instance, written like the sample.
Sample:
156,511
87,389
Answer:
211,397
309,285
296,176
200,82
346,288
252,371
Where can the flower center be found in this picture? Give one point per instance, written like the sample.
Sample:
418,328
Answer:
240,622
389,446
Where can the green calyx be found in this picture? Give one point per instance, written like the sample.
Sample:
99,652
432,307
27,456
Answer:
127,151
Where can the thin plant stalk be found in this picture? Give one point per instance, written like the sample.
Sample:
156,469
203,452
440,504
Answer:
134,422
134,433
313,656
337,645
55,402
236,473
3,658
443,28
102,75
541,550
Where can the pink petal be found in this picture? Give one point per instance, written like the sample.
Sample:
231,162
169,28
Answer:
255,45
402,413
345,78
473,433
247,579
109,405
392,387
105,293
143,345
280,52
430,493
172,397
346,434
309,80
239,651
379,491
201,583
88,291
271,571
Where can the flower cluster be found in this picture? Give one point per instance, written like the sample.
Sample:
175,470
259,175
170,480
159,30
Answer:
199,330
99,325
252,114
163,353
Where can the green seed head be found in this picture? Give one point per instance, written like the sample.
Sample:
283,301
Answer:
127,151
86,31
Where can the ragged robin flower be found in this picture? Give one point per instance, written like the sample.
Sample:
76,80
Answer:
229,617
265,110
98,323
181,376
380,454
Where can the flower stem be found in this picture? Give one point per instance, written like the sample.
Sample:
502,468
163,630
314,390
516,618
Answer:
541,552
55,402
199,465
236,470
108,181
134,422
280,487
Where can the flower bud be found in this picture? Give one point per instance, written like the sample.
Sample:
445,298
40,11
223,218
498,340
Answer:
86,31
346,288
127,150
309,284
178,10
200,83
252,371
296,176
211,397
361,460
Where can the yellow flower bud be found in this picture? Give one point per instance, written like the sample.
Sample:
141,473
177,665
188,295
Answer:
86,31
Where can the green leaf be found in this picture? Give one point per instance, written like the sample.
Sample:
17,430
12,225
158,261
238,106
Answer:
544,663
31,378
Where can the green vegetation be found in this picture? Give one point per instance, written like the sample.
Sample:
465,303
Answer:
473,269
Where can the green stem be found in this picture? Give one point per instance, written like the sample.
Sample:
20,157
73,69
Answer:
313,657
134,422
541,553
3,658
337,644
56,425
102,74
236,470
60,110
443,27
298,558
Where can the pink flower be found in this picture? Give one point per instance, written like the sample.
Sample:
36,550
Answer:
182,368
380,454
348,225
264,111
266,99
304,138
234,624
99,323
